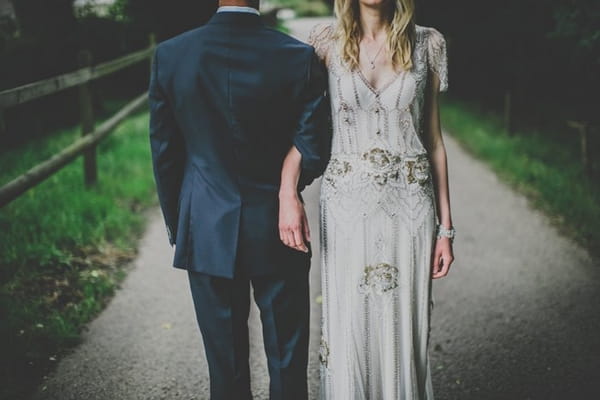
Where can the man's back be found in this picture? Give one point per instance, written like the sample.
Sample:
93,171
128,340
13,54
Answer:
228,101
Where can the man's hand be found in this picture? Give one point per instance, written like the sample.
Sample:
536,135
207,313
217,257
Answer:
293,224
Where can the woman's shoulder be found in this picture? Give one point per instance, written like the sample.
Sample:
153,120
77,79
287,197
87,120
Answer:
429,35
321,37
321,31
433,44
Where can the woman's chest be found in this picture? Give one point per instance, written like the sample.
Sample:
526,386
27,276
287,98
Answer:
353,90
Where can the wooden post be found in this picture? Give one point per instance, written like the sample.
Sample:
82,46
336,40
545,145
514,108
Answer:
2,123
508,128
583,130
43,170
151,43
87,121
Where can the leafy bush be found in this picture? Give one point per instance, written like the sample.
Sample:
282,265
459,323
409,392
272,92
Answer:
312,9
306,8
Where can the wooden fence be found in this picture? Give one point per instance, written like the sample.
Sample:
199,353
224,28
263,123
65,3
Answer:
584,129
87,144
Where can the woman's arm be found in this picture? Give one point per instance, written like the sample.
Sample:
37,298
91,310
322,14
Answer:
293,224
308,156
443,254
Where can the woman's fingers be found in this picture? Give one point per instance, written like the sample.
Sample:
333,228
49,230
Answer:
435,268
436,263
306,227
298,241
445,269
283,234
443,266
290,239
293,225
435,260
293,238
440,271
442,258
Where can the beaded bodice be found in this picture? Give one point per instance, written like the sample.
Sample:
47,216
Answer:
378,151
365,118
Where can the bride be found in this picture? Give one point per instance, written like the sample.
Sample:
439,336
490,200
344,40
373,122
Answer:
386,228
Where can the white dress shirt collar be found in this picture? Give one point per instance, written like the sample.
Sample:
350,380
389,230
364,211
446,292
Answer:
238,9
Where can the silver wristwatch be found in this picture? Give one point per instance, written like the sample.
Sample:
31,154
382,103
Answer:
443,232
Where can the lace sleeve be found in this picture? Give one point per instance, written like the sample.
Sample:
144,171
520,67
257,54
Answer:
320,38
437,57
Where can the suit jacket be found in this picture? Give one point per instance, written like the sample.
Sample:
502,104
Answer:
227,102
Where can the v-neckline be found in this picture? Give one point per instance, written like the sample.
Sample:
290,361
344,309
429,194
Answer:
379,91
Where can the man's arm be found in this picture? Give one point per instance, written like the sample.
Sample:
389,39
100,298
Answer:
313,134
168,151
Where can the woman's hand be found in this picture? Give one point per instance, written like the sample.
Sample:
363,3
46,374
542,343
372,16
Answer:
442,257
293,224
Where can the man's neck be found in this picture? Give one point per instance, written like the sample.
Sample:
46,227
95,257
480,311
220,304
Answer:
239,3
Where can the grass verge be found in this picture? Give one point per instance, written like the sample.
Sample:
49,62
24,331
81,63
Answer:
545,166
64,248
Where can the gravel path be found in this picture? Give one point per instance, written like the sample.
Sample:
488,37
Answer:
517,318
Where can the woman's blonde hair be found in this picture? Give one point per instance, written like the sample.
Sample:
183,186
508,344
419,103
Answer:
400,31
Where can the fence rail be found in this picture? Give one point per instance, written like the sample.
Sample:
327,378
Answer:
86,145
32,91
43,170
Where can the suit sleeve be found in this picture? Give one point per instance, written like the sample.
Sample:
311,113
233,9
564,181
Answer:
313,135
168,151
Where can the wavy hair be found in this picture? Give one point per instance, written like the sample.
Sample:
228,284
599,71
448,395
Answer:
400,31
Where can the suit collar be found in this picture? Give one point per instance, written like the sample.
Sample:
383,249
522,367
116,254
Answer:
250,10
236,18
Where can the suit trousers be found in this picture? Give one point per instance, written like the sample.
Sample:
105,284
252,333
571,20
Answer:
222,307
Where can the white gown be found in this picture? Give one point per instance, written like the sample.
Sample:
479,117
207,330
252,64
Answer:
378,220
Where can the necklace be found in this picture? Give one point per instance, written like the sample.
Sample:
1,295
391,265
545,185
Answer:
372,61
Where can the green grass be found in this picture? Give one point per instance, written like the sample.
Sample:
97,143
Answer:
543,165
63,247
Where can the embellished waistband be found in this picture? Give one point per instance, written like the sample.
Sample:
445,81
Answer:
381,165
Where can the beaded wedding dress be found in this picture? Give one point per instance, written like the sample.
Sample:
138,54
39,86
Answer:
378,223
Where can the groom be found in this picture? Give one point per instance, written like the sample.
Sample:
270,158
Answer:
230,102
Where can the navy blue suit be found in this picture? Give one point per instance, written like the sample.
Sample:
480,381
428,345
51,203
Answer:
227,102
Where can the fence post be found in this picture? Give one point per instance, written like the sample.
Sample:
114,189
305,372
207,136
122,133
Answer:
508,127
583,130
2,123
151,43
87,121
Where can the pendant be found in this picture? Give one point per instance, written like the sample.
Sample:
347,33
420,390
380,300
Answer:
372,65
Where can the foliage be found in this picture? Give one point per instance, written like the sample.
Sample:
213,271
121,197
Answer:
549,171
306,8
512,46
313,9
46,20
43,51
579,20
63,248
166,19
